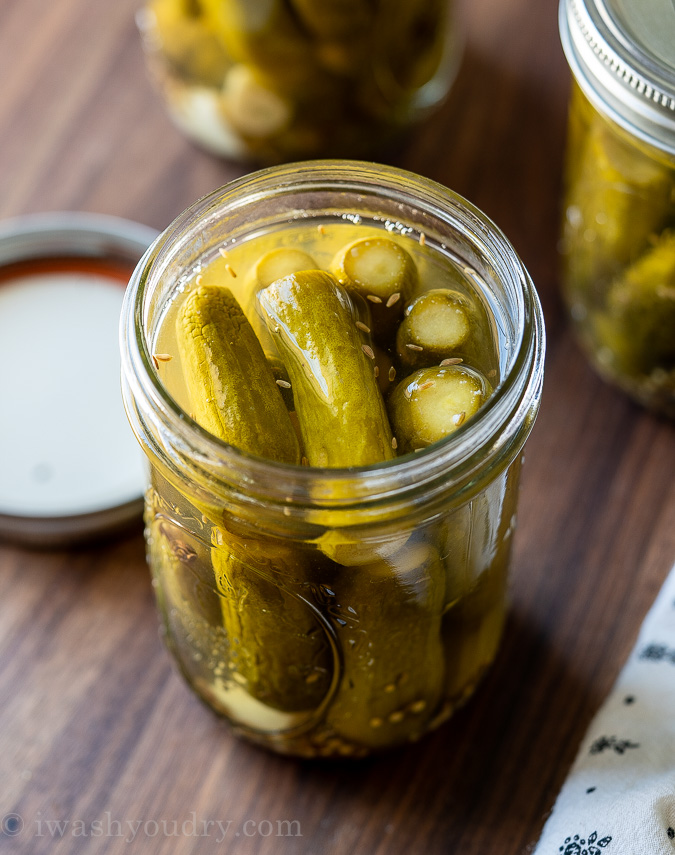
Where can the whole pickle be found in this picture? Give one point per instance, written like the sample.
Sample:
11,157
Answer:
339,406
387,617
232,390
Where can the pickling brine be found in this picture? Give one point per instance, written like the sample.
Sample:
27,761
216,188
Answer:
324,583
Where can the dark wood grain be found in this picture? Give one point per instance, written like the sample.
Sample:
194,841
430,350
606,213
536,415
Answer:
95,725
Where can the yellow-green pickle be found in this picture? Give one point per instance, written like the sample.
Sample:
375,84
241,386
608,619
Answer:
273,80
317,622
618,244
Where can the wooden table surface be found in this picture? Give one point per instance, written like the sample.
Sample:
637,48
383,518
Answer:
96,725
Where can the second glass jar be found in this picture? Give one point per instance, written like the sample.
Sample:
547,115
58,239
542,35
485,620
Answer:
275,80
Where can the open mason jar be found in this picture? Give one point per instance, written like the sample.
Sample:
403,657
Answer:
332,611
618,235
276,80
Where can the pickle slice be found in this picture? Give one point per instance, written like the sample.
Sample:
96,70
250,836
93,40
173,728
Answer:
232,390
387,617
436,325
381,271
434,402
339,405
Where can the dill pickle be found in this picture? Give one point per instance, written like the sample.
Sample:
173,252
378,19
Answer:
638,325
232,390
387,616
342,416
279,656
617,199
382,272
272,633
434,402
442,323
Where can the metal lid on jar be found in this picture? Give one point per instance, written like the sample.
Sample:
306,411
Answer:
70,467
622,54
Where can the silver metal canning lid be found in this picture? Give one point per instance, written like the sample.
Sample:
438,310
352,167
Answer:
70,467
622,54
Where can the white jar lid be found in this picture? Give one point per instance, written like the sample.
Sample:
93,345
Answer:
70,466
622,53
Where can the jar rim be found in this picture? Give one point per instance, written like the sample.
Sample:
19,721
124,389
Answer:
622,73
502,423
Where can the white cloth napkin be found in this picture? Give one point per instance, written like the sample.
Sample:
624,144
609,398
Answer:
619,798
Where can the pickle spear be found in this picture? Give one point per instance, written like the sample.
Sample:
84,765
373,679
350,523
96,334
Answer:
387,616
342,416
434,402
382,272
232,391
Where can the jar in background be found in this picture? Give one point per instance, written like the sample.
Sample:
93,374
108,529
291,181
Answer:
618,238
356,608
276,80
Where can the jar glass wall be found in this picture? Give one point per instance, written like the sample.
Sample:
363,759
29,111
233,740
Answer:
334,611
275,80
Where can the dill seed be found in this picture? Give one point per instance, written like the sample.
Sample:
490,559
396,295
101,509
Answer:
392,374
154,359
492,373
459,418
394,443
284,384
163,357
223,251
199,279
393,300
455,360
376,371
305,462
423,239
231,271
427,385
414,347
360,325
320,229
368,350
374,298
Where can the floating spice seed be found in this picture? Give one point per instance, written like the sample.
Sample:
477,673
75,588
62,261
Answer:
459,418
284,384
231,271
423,239
394,445
223,251
395,717
415,347
368,350
374,298
363,327
376,371
320,229
163,357
427,385
393,299
392,374
199,279
454,360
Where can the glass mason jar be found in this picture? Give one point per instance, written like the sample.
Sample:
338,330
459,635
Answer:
618,234
355,609
275,80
